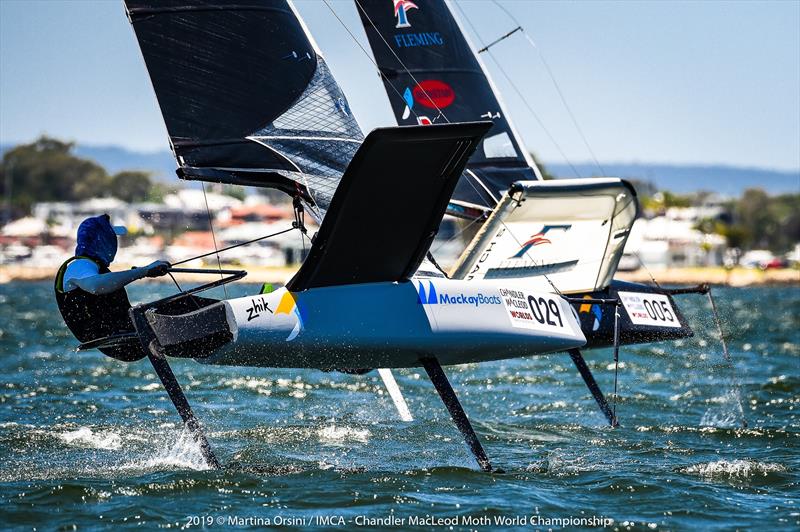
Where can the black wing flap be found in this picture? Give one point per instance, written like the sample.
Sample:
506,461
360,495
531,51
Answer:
389,204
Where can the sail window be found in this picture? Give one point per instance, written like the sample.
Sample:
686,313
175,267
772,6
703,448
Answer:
498,146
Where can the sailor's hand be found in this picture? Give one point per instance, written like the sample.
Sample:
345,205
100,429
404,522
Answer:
157,268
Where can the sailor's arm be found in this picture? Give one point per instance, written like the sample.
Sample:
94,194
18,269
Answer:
106,283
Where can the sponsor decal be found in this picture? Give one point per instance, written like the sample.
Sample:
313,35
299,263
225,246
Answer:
424,120
430,93
433,93
595,310
485,255
341,106
649,309
413,40
538,239
490,115
401,8
531,311
462,299
257,306
530,270
430,297
408,97
288,305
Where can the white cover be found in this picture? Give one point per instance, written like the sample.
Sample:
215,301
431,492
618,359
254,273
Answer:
568,232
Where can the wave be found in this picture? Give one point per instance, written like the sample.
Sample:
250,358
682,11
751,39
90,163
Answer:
87,438
332,433
184,453
733,469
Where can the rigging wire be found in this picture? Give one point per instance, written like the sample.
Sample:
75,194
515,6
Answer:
407,71
180,290
405,68
213,237
527,253
486,48
355,40
649,273
552,78
459,233
416,83
430,257
388,82
516,89
175,281
217,252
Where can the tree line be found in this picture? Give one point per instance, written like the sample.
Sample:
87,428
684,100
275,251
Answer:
755,220
48,170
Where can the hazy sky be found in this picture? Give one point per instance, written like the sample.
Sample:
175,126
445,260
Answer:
677,82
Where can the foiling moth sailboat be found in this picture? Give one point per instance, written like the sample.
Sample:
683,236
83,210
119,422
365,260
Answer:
247,99
566,236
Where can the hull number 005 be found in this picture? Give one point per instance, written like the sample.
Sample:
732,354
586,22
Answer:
649,309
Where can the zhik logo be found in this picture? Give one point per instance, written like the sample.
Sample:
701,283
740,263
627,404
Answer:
257,306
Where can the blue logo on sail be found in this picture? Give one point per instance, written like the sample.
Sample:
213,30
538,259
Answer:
412,40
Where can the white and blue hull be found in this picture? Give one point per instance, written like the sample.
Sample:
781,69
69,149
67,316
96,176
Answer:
394,325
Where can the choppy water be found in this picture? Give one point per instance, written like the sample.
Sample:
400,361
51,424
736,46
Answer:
88,441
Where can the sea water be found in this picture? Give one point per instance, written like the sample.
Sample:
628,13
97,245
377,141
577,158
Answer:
89,442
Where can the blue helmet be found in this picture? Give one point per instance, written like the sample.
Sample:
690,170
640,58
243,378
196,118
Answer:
97,239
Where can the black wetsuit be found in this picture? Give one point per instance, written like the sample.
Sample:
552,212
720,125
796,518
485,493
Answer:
91,316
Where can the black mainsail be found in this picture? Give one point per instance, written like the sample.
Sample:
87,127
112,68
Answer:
432,75
246,96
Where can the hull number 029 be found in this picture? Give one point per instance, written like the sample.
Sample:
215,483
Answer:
534,311
545,311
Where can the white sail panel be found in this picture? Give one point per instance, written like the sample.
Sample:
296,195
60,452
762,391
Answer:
567,234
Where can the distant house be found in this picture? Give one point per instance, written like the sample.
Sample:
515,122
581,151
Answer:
672,240
64,217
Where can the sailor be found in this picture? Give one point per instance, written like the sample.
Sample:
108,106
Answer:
92,299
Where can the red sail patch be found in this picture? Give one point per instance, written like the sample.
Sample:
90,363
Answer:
433,93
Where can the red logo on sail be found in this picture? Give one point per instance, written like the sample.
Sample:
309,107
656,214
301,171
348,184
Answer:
401,8
434,94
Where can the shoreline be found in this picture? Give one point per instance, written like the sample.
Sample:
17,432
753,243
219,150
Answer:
737,277
718,276
255,274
